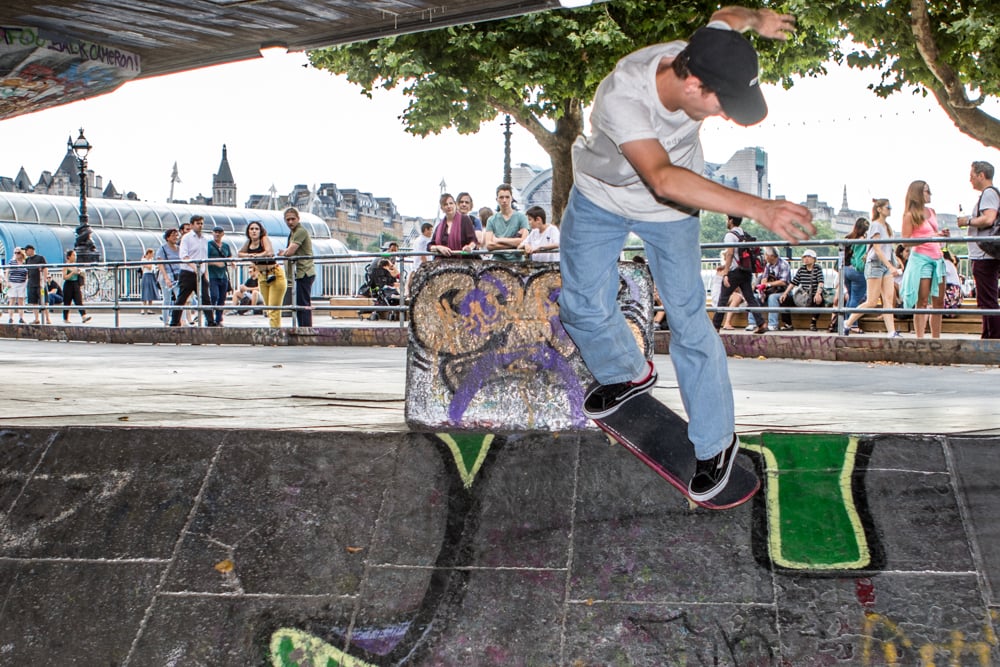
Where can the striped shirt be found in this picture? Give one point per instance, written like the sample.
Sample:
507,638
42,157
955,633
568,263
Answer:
808,279
17,273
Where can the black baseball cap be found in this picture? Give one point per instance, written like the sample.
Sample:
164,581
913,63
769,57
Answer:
725,61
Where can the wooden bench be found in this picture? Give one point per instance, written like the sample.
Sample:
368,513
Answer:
344,301
961,324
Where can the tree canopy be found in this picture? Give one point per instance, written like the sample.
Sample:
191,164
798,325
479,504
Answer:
947,48
543,69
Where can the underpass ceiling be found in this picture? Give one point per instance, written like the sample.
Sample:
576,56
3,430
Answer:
66,47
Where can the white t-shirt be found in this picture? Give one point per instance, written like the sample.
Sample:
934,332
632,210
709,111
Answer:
717,288
628,108
879,229
951,273
989,200
537,239
420,245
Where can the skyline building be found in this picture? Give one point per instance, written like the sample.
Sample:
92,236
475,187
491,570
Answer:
356,218
223,183
745,170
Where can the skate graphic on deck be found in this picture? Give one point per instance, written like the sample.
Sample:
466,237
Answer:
658,436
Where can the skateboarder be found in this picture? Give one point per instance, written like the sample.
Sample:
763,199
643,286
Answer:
640,171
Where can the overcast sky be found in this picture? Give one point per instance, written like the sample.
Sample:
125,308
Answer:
286,124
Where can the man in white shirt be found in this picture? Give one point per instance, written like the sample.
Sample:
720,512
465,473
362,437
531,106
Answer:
542,244
640,171
193,252
421,243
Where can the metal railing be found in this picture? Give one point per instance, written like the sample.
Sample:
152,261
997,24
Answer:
837,265
116,286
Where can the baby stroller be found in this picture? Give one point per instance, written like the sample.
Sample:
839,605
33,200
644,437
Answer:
379,286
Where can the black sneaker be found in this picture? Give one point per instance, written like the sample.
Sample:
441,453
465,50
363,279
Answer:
604,399
711,476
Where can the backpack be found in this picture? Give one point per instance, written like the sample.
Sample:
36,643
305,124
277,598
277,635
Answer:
858,253
748,258
991,248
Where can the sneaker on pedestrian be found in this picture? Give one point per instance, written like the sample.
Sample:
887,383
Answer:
750,327
786,327
847,331
895,334
604,399
712,475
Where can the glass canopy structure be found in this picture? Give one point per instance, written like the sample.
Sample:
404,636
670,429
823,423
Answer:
123,229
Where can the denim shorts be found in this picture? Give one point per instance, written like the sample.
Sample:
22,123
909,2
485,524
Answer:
875,269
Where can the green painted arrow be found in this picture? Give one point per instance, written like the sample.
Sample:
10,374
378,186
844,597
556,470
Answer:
812,519
469,451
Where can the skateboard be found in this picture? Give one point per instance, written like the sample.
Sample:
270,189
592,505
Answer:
658,436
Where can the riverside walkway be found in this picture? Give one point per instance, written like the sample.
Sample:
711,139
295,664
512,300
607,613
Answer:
267,505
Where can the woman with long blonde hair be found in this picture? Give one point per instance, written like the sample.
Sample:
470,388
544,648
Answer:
880,268
924,278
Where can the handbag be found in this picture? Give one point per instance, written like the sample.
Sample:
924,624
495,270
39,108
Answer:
801,298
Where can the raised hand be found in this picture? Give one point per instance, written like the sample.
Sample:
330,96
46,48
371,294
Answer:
773,25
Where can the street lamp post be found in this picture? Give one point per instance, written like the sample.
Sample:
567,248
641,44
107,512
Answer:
506,149
86,250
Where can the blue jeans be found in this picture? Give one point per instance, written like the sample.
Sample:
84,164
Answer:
169,299
773,301
217,288
857,286
591,240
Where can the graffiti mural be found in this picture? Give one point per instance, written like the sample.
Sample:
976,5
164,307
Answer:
814,503
40,70
404,640
487,350
811,518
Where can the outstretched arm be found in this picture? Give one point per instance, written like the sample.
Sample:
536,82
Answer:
765,22
791,222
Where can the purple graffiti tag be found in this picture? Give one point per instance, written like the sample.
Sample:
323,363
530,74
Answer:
635,294
487,312
497,283
491,366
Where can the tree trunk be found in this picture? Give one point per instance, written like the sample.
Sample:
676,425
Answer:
947,85
559,146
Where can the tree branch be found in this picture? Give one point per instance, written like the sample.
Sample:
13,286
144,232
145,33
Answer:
526,120
951,85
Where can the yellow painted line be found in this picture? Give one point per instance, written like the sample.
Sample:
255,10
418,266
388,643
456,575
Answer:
307,649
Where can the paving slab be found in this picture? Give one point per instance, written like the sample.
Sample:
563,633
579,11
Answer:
267,506
73,612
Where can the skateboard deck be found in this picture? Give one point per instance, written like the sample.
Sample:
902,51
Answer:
658,436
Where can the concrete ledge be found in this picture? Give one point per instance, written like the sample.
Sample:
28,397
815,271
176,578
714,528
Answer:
488,353
390,336
862,348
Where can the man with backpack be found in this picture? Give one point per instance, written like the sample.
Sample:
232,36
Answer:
985,257
742,263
